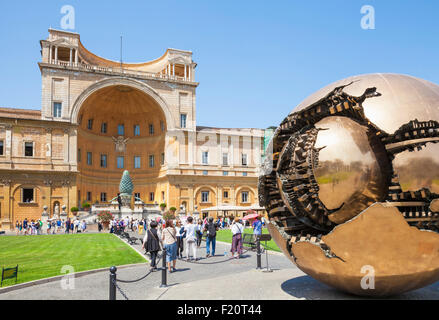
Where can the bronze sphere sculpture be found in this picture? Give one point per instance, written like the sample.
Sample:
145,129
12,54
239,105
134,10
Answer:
352,186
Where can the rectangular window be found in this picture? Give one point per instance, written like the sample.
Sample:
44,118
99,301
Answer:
244,174
225,159
136,195
151,129
1,148
79,155
244,196
103,160
104,127
162,158
120,162
226,194
137,130
205,157
162,126
57,107
121,129
225,173
244,159
89,158
103,197
204,196
151,161
90,124
28,149
88,196
151,196
27,195
183,120
136,162
205,173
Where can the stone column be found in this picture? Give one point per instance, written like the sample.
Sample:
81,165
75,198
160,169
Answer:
76,57
48,148
173,70
50,54
185,72
8,142
7,208
56,55
71,57
47,190
66,145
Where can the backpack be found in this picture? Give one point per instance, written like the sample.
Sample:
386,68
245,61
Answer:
211,229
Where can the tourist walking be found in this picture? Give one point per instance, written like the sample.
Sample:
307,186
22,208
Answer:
17,227
83,226
67,226
169,240
151,243
25,225
100,226
199,232
237,229
257,228
191,238
180,236
49,226
211,227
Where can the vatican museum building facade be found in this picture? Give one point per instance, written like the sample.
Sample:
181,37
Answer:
99,118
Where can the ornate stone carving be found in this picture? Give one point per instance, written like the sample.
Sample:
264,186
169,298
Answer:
120,143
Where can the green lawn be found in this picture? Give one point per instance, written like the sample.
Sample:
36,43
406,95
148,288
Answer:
43,256
225,235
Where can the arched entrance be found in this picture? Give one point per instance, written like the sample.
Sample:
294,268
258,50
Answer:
120,127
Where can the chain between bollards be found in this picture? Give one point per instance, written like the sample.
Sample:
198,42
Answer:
113,270
164,269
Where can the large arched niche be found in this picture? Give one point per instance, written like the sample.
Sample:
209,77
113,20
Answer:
119,103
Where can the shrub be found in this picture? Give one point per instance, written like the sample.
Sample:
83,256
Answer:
168,215
162,205
173,209
104,216
85,204
74,209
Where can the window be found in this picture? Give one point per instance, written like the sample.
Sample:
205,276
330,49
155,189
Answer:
244,159
89,158
1,148
226,194
27,195
103,197
182,120
90,124
205,157
104,127
136,162
162,126
151,129
103,160
163,196
244,196
28,149
137,130
57,107
225,173
120,162
88,196
121,129
136,195
79,155
151,161
204,196
162,158
151,196
244,174
225,159
205,173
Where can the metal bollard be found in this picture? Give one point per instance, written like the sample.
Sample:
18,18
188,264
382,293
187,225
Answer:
164,269
258,254
113,270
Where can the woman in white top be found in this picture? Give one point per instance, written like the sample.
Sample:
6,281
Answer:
191,237
237,230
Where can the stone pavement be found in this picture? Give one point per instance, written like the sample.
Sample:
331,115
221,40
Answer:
214,278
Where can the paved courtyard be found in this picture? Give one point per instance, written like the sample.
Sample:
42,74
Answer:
215,278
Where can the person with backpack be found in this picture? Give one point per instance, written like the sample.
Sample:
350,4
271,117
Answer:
199,232
211,228
151,243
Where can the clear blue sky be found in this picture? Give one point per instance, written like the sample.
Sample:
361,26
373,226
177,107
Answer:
256,59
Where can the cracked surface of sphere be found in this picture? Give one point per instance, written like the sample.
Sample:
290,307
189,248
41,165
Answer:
362,141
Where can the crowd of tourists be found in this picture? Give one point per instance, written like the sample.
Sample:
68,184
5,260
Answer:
50,226
173,236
